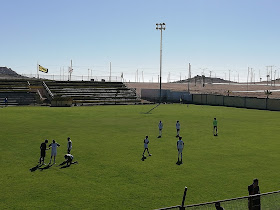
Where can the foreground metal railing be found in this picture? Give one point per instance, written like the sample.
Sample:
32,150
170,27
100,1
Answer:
269,200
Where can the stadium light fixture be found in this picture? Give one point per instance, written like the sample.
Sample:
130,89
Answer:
160,26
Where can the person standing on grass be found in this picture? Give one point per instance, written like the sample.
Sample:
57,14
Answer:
215,127
146,142
69,145
43,149
160,126
254,203
6,101
178,128
180,147
54,146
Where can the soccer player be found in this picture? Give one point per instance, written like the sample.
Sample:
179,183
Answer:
68,160
180,147
160,126
254,203
215,127
43,149
146,142
54,146
6,101
69,145
178,128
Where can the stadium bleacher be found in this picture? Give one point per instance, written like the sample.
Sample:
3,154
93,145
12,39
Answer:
93,93
17,91
35,91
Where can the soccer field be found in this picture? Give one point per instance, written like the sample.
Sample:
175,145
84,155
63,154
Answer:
108,144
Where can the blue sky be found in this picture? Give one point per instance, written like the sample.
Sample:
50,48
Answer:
212,35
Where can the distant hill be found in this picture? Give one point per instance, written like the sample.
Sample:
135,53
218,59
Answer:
8,73
199,79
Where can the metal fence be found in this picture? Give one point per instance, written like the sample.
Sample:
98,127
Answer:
74,77
268,201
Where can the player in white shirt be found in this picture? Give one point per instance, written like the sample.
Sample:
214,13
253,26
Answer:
180,147
68,160
160,126
69,145
146,142
178,128
54,146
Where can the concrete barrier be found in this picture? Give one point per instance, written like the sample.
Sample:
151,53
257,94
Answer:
273,104
166,95
197,99
234,101
211,99
150,94
204,98
219,100
256,103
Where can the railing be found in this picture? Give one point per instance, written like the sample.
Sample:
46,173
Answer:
266,201
74,77
48,90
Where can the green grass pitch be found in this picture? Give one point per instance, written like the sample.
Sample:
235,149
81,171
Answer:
108,144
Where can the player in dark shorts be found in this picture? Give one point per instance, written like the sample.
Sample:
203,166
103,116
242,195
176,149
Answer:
43,148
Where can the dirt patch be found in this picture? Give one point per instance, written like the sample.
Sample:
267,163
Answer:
218,89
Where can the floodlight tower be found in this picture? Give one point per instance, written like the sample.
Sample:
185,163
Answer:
160,26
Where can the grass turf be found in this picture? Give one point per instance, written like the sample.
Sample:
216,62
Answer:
108,143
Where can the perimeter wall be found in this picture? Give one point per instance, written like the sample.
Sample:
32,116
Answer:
236,101
209,99
166,95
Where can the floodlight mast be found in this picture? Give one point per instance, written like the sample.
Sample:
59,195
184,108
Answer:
160,26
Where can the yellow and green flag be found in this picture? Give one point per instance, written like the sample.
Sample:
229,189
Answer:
42,69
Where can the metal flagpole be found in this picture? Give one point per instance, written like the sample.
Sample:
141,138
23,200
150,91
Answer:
110,72
37,70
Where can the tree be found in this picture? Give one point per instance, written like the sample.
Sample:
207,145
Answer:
267,93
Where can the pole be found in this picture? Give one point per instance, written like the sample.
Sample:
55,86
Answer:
110,72
274,77
160,26
160,66
248,77
229,77
189,77
271,75
70,71
37,70
183,201
238,77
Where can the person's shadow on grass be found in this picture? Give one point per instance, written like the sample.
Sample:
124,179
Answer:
46,167
35,168
68,164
